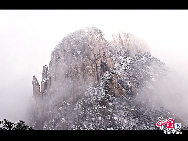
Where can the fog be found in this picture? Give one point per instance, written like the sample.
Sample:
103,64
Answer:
27,38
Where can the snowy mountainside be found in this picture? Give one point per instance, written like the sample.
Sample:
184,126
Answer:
93,84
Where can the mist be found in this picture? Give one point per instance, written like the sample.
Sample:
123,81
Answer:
171,91
27,39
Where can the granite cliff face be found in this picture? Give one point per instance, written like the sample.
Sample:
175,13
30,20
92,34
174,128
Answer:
81,56
92,83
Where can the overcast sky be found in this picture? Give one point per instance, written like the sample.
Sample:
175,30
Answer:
27,38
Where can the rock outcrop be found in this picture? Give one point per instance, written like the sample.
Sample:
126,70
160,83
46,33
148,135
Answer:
45,83
41,90
81,56
92,84
36,87
133,44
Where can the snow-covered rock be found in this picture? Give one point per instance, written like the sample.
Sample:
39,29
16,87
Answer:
92,84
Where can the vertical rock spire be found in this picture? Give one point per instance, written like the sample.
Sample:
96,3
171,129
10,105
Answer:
36,87
38,90
44,81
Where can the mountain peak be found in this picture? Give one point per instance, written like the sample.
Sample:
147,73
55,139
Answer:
133,44
90,81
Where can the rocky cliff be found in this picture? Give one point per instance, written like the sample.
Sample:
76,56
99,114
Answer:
92,83
81,56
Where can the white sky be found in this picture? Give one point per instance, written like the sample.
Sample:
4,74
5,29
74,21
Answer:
27,38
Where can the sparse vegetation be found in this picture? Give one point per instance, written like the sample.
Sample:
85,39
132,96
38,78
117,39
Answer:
20,125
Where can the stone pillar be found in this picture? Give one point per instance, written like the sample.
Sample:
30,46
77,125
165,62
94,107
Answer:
44,81
36,87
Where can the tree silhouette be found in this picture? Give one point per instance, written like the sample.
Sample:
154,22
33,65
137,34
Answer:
20,125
